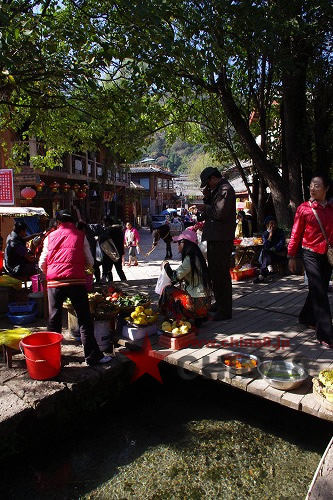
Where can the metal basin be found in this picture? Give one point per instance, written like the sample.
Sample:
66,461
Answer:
283,375
249,362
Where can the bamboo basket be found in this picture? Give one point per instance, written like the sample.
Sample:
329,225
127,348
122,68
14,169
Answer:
317,385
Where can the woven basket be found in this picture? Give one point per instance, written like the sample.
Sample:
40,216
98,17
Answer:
319,397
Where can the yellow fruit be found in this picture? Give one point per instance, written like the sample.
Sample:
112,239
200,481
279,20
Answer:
167,328
188,324
148,312
134,314
128,318
139,309
184,329
176,331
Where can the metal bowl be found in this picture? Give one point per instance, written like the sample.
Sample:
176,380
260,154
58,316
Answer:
283,375
240,356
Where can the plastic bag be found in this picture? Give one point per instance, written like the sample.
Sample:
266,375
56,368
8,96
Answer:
99,253
162,282
6,280
109,248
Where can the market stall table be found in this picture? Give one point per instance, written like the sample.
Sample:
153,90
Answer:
247,247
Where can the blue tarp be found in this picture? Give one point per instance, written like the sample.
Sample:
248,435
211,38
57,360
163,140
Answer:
32,222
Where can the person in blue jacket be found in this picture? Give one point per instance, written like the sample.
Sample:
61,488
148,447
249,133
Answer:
274,248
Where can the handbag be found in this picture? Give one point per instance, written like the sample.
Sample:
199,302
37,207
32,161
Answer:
329,248
109,248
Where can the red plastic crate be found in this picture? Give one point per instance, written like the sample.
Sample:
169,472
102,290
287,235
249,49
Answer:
176,343
238,275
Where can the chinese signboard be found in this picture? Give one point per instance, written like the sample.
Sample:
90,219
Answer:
6,187
25,179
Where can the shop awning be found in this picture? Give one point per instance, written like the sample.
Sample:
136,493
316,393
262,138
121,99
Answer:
21,211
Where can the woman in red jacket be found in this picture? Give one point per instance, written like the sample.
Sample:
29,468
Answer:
307,233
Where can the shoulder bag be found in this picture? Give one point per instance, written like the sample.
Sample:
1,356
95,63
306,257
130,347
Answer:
109,248
329,248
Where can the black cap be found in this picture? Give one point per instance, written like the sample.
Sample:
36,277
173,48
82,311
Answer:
65,216
206,173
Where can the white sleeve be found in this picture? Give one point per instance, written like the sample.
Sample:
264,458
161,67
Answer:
42,259
87,253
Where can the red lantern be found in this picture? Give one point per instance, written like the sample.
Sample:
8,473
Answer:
40,186
65,187
76,187
84,187
28,193
81,195
55,187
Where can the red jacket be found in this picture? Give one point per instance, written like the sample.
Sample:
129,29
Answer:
65,258
306,230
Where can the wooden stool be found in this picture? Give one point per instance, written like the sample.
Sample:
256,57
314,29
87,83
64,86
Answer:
8,353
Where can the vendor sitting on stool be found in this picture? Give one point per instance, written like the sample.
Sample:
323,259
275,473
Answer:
273,248
193,302
19,261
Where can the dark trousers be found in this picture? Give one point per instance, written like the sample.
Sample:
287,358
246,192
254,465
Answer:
107,265
29,269
268,257
168,254
316,310
219,256
79,298
97,271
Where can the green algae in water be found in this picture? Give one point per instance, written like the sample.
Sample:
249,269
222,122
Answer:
216,459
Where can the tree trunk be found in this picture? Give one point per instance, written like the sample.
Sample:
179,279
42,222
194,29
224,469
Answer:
265,167
294,112
107,165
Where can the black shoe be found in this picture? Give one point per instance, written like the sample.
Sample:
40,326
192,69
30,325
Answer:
218,316
213,308
260,279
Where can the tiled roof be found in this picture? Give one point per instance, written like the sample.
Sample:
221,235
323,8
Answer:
150,169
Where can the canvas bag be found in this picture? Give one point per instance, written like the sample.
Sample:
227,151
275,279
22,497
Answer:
329,248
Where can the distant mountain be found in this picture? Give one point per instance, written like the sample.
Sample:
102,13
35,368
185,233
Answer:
176,157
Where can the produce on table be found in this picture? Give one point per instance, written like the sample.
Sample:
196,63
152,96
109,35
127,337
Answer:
99,307
324,384
141,316
176,327
132,300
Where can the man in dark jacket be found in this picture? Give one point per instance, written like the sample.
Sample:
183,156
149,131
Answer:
219,214
115,232
19,261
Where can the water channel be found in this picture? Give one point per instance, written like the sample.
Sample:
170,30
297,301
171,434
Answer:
179,440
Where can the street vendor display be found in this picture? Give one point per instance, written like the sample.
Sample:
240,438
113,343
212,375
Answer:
323,388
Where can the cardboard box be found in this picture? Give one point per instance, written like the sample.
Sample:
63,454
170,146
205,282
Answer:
132,333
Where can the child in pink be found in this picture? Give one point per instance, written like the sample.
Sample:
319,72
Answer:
131,241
